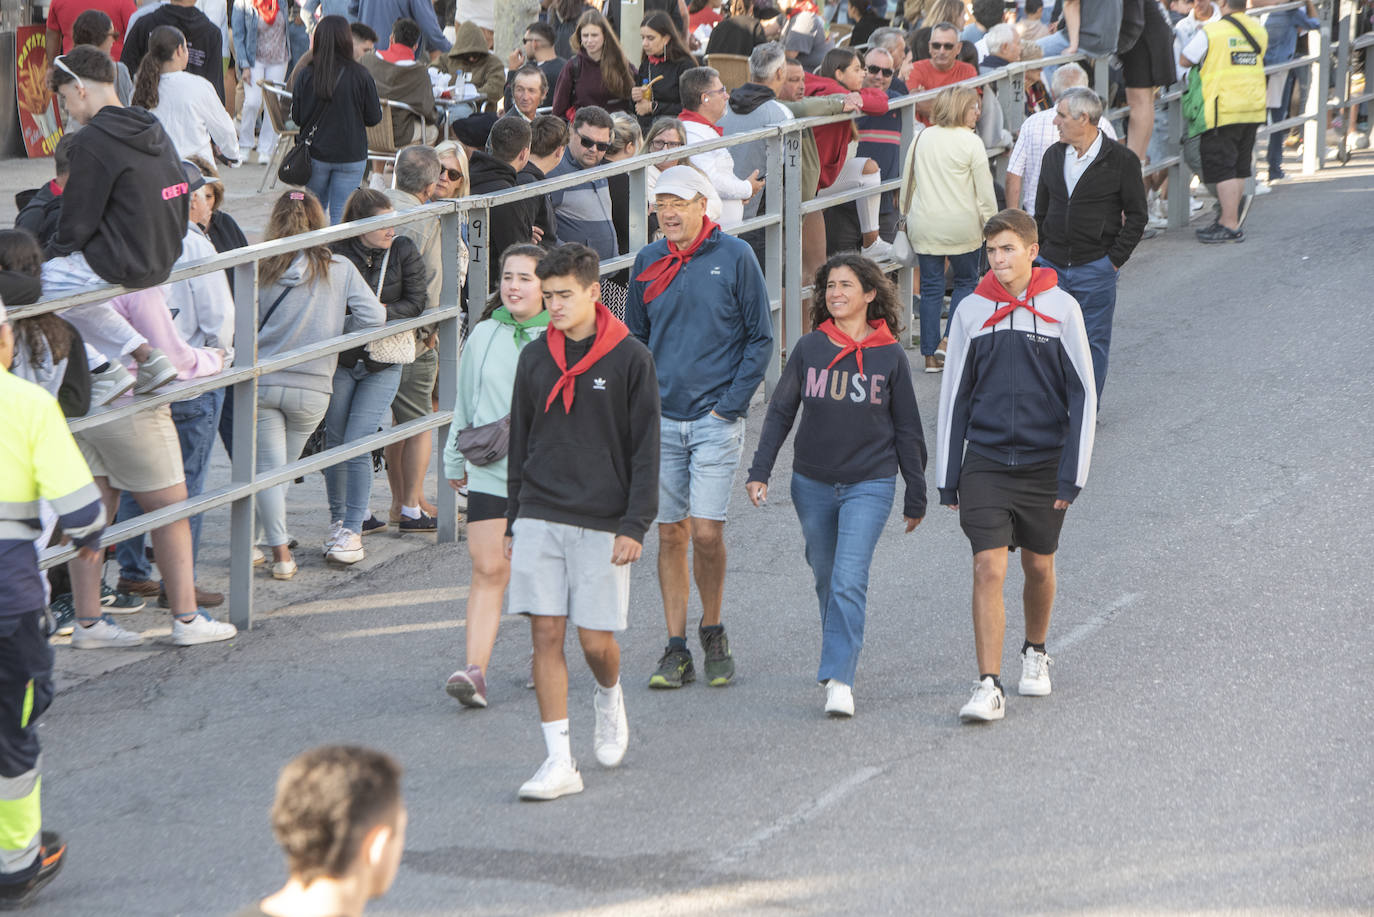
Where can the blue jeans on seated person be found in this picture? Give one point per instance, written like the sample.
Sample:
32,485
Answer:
1094,286
932,268
196,420
841,524
360,400
333,182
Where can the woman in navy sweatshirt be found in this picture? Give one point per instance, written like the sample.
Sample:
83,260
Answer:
860,427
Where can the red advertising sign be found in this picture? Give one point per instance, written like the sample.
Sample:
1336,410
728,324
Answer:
39,120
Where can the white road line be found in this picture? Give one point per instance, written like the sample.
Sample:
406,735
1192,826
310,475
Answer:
1096,622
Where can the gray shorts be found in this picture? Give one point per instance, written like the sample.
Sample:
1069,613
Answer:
566,572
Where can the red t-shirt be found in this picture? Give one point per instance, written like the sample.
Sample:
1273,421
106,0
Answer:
924,76
704,16
62,14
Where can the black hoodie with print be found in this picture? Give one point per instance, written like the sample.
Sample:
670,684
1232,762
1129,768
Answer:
125,203
204,42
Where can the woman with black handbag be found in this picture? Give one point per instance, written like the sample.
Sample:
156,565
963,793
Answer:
366,379
334,102
475,454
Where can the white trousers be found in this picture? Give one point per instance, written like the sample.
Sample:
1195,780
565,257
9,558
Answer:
100,325
252,106
852,176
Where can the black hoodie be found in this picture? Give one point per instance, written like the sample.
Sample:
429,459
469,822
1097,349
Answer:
510,224
204,42
41,213
125,203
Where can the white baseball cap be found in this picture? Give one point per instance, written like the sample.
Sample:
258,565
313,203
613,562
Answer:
684,182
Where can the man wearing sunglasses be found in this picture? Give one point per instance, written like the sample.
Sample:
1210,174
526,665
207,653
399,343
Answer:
583,212
941,69
880,136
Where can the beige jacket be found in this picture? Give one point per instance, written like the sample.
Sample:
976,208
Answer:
952,195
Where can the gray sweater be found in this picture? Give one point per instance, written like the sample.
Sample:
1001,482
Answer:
311,313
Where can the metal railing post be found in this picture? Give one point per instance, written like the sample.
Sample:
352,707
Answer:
772,249
449,292
1314,130
639,209
244,454
1180,176
792,238
906,277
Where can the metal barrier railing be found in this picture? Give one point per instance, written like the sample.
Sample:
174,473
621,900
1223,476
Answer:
780,218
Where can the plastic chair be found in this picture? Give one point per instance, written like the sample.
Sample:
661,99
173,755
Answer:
277,101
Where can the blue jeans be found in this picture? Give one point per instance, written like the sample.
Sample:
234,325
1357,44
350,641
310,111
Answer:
696,468
1053,45
356,408
933,292
1276,139
333,182
841,524
1094,286
196,421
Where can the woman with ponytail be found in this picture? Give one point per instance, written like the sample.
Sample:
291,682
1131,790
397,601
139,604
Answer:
187,105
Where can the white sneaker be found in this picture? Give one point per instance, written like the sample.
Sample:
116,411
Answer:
1035,673
283,569
839,698
109,384
335,528
1262,188
259,556
347,548
104,634
555,777
987,703
201,629
612,727
878,251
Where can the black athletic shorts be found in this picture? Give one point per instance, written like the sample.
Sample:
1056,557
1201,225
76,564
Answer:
1010,506
1226,152
1150,61
482,507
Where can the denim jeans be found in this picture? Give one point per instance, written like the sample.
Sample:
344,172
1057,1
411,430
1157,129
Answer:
841,524
1094,286
1276,139
286,418
933,292
333,182
196,420
1053,44
356,408
696,467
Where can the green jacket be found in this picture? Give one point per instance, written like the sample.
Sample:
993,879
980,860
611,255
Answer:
488,74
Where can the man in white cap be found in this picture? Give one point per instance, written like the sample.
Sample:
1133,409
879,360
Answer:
699,301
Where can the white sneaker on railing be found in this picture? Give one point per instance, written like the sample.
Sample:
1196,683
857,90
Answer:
104,634
109,384
154,373
347,548
879,251
1035,673
201,629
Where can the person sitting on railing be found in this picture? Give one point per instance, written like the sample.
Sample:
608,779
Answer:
548,142
842,74
599,75
948,184
665,59
880,136
1031,26
299,297
942,68
470,56
1145,50
704,102
400,78
987,15
583,211
803,32
1038,133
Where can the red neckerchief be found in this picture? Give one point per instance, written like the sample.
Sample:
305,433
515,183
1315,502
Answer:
1042,279
661,272
881,335
806,6
267,10
397,53
609,332
692,116
657,60
55,188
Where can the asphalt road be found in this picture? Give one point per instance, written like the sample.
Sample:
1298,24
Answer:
1206,749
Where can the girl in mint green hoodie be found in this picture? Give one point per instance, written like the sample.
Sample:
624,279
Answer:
486,376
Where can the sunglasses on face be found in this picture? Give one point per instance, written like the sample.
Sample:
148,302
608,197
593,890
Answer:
942,46
593,144
875,70
453,174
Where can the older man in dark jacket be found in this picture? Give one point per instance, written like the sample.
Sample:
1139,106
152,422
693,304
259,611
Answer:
1090,210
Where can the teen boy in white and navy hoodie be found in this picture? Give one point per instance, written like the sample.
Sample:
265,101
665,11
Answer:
1018,388
582,476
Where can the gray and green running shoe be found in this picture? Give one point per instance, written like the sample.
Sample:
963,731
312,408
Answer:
720,665
63,611
120,603
675,669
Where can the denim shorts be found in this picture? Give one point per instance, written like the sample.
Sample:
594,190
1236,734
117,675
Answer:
697,462
563,571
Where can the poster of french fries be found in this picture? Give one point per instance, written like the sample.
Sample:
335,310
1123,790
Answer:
38,116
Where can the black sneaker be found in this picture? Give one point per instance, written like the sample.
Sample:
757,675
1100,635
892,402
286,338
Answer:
372,525
720,665
121,603
675,669
51,856
1217,233
426,523
63,611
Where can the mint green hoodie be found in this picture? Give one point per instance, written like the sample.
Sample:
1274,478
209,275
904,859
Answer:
486,377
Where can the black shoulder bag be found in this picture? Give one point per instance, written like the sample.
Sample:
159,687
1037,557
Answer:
295,166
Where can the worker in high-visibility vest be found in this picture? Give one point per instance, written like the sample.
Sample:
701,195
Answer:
39,461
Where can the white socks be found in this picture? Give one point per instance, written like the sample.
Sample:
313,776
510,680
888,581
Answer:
556,739
410,512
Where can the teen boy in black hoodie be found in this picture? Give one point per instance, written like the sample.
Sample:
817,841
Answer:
583,489
124,209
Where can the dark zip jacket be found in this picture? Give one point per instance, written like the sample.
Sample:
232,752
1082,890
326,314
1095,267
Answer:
405,288
596,467
543,212
41,213
126,199
1106,214
204,41
510,224
1019,392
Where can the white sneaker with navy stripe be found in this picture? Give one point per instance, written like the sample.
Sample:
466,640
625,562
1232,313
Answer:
987,703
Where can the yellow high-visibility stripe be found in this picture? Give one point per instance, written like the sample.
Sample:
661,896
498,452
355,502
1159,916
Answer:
28,706
21,819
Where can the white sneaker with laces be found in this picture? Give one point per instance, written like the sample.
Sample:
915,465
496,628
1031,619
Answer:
201,629
104,634
555,777
878,251
839,698
987,703
612,727
335,528
346,549
1035,673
